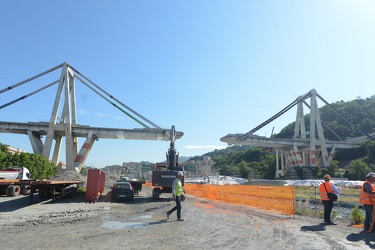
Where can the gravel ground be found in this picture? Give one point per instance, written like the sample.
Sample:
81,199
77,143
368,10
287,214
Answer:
142,224
341,210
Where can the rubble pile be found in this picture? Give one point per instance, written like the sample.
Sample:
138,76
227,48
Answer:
69,176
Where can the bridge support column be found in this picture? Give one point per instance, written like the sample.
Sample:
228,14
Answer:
36,142
84,152
316,128
280,170
56,151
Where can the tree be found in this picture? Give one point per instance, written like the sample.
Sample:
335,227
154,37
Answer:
4,153
84,171
323,172
367,124
333,167
228,170
219,161
243,169
38,165
4,148
370,146
358,170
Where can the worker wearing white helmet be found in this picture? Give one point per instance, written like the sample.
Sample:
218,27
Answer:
367,198
177,194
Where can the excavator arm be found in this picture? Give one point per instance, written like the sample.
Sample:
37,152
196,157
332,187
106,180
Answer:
172,156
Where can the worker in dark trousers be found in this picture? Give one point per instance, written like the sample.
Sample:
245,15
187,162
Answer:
367,198
177,193
328,187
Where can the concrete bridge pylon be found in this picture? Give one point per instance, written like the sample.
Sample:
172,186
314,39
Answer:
306,148
63,121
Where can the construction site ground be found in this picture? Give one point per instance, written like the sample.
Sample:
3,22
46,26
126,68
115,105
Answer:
142,224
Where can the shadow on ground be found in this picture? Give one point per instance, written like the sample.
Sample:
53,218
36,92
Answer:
314,228
366,237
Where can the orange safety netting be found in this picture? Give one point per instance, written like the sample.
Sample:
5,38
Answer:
278,199
147,184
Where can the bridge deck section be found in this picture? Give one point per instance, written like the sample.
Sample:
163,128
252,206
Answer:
41,129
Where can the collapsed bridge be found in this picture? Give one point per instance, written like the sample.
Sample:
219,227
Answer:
306,148
63,121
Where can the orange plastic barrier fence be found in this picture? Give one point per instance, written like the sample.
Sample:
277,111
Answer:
148,184
277,199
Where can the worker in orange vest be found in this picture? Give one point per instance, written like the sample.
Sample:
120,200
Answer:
367,198
328,187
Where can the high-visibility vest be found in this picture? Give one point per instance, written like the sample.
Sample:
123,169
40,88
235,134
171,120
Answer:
323,191
179,188
366,198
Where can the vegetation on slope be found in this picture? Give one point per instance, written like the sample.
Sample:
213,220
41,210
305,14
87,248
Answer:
353,164
360,112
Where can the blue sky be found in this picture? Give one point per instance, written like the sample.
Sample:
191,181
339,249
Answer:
208,67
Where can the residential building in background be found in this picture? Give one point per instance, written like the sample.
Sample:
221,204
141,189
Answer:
14,150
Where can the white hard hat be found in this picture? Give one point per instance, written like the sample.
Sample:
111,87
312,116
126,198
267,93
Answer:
180,173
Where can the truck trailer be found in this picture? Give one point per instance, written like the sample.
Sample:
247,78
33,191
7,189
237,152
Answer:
50,189
10,181
16,180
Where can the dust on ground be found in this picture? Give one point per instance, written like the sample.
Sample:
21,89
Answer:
142,224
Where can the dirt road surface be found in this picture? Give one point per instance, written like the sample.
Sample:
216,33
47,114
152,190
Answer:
142,224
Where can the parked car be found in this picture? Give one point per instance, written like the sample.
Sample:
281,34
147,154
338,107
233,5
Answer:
122,191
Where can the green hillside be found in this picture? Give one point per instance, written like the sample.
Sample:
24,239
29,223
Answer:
359,115
250,162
